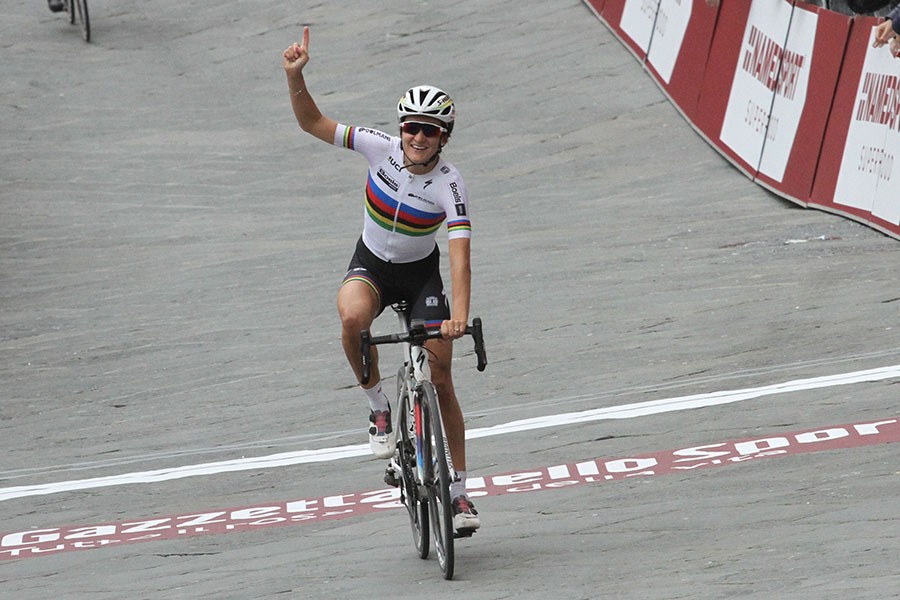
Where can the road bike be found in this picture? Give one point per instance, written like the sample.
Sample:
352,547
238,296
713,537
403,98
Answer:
78,11
422,467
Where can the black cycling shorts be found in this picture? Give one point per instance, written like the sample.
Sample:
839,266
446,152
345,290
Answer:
417,283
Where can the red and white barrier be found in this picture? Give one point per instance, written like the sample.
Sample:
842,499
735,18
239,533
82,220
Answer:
679,50
862,143
792,94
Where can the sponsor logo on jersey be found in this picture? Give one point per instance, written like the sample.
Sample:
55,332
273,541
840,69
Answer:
395,164
375,132
420,198
454,189
387,179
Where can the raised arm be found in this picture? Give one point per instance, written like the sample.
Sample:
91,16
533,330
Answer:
308,116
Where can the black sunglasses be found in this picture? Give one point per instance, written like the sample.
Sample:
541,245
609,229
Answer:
414,127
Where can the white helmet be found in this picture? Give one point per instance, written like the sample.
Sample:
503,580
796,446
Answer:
427,101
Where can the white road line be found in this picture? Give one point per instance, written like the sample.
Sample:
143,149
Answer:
627,411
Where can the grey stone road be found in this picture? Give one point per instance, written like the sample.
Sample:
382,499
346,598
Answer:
170,248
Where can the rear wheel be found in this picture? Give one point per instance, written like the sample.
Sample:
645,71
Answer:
84,20
437,480
416,503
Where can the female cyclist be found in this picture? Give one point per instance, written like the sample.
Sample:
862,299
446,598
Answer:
410,191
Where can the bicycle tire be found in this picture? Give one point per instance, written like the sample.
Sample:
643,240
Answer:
437,480
84,19
416,504
69,7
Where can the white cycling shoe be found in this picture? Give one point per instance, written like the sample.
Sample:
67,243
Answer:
382,437
465,517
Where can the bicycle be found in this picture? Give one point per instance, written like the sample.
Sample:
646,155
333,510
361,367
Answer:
78,9
422,467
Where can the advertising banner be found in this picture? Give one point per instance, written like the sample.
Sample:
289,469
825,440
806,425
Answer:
793,95
807,79
868,160
669,28
679,48
856,167
638,20
719,74
749,122
632,21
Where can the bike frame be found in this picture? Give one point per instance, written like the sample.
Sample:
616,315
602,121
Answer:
418,372
427,485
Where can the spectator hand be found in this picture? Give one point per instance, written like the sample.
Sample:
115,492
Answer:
884,33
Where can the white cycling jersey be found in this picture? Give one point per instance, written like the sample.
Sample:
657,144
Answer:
404,211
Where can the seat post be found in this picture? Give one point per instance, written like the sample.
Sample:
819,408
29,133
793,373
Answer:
402,310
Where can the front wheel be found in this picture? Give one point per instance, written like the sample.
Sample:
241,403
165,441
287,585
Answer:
416,504
437,480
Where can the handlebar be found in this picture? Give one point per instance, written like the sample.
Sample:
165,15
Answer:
417,336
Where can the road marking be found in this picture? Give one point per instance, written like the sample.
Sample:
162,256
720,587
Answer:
626,411
46,541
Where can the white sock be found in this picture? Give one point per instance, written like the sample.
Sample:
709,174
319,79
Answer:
377,399
458,487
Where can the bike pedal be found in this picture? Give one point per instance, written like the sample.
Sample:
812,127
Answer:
390,477
465,532
392,471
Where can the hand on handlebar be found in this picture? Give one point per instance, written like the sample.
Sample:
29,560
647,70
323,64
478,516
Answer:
418,335
453,329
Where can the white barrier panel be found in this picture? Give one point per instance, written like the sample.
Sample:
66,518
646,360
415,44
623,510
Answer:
750,119
868,161
809,76
790,93
669,30
638,17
